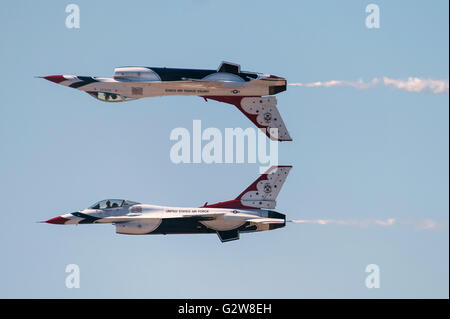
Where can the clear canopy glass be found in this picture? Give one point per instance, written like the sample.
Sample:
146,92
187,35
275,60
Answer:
112,203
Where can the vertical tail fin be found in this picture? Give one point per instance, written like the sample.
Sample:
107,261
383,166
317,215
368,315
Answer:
262,193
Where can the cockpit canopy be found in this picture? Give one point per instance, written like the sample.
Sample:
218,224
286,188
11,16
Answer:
112,203
136,74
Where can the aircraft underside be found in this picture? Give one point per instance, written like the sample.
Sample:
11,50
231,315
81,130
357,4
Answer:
181,226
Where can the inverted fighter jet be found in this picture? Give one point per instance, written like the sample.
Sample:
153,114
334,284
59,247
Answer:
251,211
250,92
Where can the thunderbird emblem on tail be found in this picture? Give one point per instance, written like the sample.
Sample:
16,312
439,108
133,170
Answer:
252,93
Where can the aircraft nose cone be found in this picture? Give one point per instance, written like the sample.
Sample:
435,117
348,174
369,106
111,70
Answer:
57,220
55,78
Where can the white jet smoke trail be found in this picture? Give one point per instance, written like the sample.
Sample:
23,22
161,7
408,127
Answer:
412,84
351,222
419,85
426,224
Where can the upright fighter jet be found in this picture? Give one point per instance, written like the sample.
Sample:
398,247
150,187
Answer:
251,211
250,92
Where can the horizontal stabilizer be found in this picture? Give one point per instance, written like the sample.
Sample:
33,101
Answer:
266,221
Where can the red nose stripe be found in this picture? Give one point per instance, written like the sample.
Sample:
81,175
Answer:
57,220
55,78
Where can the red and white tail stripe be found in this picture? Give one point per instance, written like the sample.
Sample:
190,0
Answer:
262,111
262,193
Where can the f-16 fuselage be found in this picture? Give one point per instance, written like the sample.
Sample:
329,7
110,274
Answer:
143,219
249,212
137,82
247,90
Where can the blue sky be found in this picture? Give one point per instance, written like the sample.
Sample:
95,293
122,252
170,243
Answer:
357,154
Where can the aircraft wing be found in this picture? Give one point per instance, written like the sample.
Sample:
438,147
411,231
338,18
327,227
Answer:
150,217
262,111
